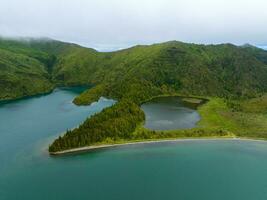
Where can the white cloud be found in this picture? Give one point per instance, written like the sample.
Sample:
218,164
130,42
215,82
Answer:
127,22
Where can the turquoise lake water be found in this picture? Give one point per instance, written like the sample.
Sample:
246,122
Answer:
186,170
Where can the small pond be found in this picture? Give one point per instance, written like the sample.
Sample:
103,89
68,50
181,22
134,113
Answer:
169,113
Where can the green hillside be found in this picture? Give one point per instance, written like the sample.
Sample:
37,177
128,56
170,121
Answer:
215,70
33,66
233,78
221,70
229,76
23,70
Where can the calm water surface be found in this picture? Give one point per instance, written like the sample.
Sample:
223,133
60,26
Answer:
187,170
167,113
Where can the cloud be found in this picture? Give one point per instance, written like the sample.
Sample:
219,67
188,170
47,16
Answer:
118,23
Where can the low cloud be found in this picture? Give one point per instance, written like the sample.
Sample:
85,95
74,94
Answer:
115,24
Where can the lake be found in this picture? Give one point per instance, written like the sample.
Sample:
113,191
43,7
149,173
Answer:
188,170
167,113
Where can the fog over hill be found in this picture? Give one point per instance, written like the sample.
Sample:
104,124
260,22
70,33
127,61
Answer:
114,24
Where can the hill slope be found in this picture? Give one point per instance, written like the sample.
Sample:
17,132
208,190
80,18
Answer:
35,66
23,70
233,78
215,70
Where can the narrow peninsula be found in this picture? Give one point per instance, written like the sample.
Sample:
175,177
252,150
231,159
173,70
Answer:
232,78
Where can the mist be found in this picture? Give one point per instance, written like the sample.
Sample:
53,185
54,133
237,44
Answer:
115,24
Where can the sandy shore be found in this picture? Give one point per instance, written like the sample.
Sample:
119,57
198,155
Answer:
88,148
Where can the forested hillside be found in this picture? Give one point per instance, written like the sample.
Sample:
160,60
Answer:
134,75
215,70
35,66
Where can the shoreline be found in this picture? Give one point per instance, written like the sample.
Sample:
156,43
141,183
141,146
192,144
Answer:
106,146
40,94
25,97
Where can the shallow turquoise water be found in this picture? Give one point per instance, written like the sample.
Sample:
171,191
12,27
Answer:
187,170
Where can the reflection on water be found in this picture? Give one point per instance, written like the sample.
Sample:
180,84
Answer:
167,113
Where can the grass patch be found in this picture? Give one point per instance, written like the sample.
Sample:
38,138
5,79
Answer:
218,119
218,115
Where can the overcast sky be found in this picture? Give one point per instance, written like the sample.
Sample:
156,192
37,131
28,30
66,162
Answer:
113,24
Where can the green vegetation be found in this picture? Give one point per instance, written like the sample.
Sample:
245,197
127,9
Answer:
21,74
120,123
188,69
219,118
113,123
247,122
35,66
30,66
233,78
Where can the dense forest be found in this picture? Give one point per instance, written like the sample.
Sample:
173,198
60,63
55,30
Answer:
32,66
236,74
113,123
